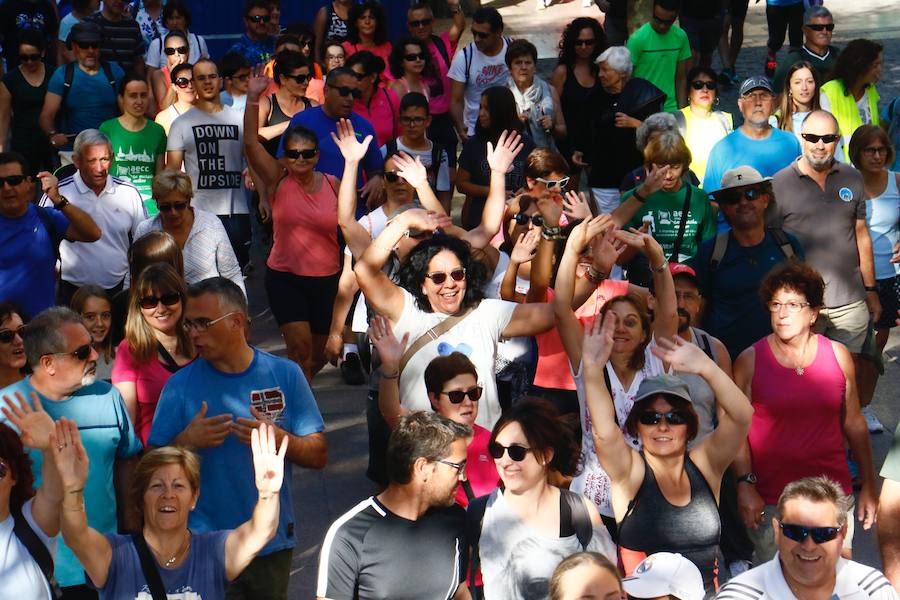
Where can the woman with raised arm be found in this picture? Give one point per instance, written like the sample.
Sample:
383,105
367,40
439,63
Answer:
166,488
177,51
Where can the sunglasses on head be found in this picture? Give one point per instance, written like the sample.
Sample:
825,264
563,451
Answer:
673,417
828,138
457,396
480,35
12,180
29,57
799,533
414,57
170,299
81,353
294,154
439,278
178,50
735,196
585,43
662,21
259,18
300,78
345,91
699,85
821,26
420,23
515,451
184,82
173,206
522,219
391,176
8,335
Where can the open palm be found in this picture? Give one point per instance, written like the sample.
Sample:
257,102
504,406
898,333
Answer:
34,424
598,341
71,460
352,148
500,158
268,459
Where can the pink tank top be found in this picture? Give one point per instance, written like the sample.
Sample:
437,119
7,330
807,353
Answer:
796,429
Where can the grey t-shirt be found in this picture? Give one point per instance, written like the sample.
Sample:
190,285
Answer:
825,223
212,144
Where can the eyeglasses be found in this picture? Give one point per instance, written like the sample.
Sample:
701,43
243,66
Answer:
480,35
585,43
294,154
820,26
522,219
178,50
81,353
420,23
438,278
662,21
758,97
202,78
8,335
554,183
873,150
735,196
88,45
12,180
414,57
673,417
150,302
460,466
259,18
306,43
345,91
391,176
184,82
515,451
174,206
300,78
792,307
200,325
699,84
828,138
29,57
799,533
457,396
413,120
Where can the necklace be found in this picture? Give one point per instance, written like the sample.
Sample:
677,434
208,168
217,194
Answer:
798,369
171,561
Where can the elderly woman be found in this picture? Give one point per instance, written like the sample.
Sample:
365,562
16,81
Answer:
616,109
536,101
182,77
803,389
165,488
177,50
200,235
699,122
12,346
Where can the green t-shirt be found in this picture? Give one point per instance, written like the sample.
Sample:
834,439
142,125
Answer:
134,156
665,210
655,58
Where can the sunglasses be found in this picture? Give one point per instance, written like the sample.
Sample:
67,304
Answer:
480,35
88,45
12,180
735,197
391,176
439,278
412,120
554,183
420,23
414,57
81,353
29,57
662,21
699,85
174,206
259,18
170,299
306,43
799,533
457,396
184,82
515,451
673,417
828,138
178,50
522,219
345,91
294,154
300,78
8,335
820,26
586,43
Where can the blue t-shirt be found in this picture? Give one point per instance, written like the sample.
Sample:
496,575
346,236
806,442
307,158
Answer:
257,52
228,494
107,435
767,156
91,99
200,577
28,259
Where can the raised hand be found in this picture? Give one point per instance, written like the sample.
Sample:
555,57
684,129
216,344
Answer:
576,206
34,424
69,455
257,84
598,341
549,209
582,234
500,159
656,175
683,356
411,169
642,242
268,459
206,432
606,250
49,183
526,246
390,349
351,148
424,220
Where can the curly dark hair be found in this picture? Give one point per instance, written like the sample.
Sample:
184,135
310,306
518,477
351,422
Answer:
13,454
854,62
357,11
570,34
545,431
797,277
412,272
430,72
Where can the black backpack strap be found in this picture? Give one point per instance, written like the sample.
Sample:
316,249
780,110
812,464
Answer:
474,517
36,548
676,252
467,488
149,568
705,343
719,248
67,80
436,152
441,48
391,147
608,383
784,243
47,221
580,517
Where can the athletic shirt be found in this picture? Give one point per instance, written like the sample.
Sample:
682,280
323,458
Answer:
652,524
305,229
796,429
882,215
337,27
277,117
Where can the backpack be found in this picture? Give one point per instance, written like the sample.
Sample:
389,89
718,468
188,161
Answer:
469,52
70,76
442,49
36,548
721,244
436,151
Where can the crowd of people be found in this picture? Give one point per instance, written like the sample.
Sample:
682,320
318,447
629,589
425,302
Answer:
639,362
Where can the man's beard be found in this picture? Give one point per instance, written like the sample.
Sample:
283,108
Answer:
90,375
684,320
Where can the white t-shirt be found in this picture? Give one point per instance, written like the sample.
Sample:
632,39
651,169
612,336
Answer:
20,575
373,222
476,336
766,582
213,157
156,54
484,72
439,184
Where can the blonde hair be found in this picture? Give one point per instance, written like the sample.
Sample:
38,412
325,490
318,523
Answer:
172,181
142,342
155,460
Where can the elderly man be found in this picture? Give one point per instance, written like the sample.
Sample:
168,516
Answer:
405,542
114,204
823,202
64,364
810,525
755,143
818,28
212,404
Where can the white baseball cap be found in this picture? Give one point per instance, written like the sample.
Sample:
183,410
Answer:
665,573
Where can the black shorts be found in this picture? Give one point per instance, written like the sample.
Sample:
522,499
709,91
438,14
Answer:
703,34
889,294
308,299
737,9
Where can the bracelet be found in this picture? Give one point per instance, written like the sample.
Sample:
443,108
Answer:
267,497
637,196
551,233
596,276
335,335
62,203
392,376
871,288
661,268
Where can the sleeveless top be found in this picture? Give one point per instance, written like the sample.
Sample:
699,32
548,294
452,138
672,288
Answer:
882,216
405,83
652,524
796,428
277,117
26,102
337,27
573,99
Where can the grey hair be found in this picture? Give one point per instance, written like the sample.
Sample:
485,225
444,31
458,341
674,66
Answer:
816,11
90,137
230,296
422,434
816,489
168,181
43,334
655,123
618,58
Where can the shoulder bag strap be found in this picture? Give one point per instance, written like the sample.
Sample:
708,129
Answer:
36,548
474,518
579,516
719,248
784,243
433,334
168,360
683,224
441,48
148,566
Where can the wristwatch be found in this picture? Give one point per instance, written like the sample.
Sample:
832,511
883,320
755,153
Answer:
871,288
62,203
747,478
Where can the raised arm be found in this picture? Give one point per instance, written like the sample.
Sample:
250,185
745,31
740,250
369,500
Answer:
245,542
665,314
459,22
267,168
500,159
652,183
542,265
353,151
523,252
390,351
82,227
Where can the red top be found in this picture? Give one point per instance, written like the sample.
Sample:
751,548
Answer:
383,51
480,469
441,104
796,429
383,112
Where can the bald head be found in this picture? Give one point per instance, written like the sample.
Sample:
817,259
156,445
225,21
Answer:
819,122
820,136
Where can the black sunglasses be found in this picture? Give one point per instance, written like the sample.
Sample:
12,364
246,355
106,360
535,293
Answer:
662,21
183,82
828,138
699,85
8,335
586,43
29,57
480,35
173,206
516,452
81,353
799,533
420,23
673,417
12,180
820,26
439,278
345,91
300,78
170,299
522,219
416,56
735,196
178,50
457,396
259,18
391,176
294,154
88,45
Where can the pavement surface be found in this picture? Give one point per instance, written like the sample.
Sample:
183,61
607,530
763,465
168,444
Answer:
322,496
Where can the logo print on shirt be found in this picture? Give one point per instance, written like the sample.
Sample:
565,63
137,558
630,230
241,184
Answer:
845,194
445,349
269,402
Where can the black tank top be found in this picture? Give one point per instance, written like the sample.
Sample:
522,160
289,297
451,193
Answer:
652,524
277,117
574,98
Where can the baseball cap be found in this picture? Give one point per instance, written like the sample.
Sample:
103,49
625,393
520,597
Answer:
757,82
681,269
668,385
85,32
662,574
741,177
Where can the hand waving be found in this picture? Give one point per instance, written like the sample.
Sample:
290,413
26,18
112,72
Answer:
411,169
390,349
34,424
526,246
576,206
682,355
643,242
424,220
501,158
257,84
351,148
268,459
69,455
598,341
606,250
